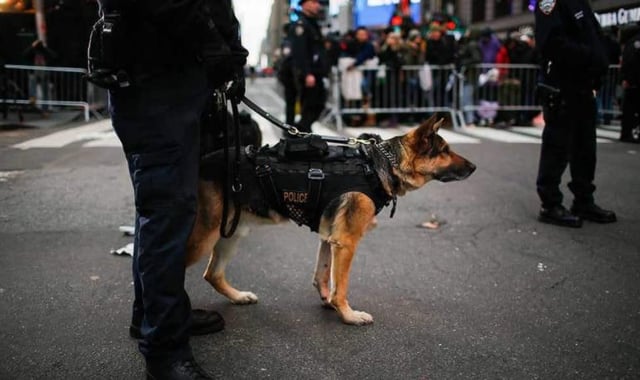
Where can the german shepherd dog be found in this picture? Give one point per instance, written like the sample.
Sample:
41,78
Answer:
416,158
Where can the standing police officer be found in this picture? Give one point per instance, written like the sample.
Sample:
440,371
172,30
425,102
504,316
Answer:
286,77
160,60
309,62
574,60
630,72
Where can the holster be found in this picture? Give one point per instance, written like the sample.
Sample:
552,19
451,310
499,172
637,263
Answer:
108,56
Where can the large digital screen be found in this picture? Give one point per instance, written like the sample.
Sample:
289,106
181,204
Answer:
378,12
334,5
370,12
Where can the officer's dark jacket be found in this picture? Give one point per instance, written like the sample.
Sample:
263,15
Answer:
630,69
571,44
300,188
307,47
165,32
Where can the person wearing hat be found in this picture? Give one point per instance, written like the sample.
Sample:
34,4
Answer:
309,61
172,54
574,61
440,52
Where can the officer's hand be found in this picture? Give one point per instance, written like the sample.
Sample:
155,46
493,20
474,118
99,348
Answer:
309,80
236,90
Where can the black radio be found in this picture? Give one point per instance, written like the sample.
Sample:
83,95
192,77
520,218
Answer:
107,57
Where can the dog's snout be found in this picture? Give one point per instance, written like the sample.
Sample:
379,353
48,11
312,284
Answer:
468,169
461,171
471,166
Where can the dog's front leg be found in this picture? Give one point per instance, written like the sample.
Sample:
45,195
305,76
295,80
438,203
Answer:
323,272
342,259
351,222
214,274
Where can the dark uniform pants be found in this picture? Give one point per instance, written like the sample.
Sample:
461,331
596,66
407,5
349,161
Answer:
312,101
290,99
569,137
630,114
158,124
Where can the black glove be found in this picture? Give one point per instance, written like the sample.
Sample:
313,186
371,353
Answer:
236,90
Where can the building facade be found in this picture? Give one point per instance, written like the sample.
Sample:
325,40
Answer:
504,15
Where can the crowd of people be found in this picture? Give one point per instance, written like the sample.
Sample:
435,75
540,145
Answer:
405,52
403,67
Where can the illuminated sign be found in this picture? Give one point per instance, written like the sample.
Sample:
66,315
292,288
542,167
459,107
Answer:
378,3
334,5
619,17
379,12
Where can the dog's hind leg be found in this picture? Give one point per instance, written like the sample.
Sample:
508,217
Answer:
215,272
323,272
351,222
206,228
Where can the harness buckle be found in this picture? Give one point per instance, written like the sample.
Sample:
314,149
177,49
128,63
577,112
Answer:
263,170
316,174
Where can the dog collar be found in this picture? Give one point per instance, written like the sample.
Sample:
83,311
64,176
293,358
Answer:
393,162
382,148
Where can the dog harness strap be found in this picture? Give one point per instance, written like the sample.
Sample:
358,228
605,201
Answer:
264,173
316,177
393,207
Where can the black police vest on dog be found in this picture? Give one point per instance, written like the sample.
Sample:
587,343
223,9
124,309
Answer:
300,178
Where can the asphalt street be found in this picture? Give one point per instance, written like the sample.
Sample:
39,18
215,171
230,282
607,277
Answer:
490,294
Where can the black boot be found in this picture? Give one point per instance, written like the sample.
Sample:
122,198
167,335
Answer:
559,216
593,212
179,370
202,322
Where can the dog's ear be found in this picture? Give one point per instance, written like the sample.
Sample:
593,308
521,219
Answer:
422,134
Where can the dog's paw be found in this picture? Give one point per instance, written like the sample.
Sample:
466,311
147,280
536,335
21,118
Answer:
244,298
358,318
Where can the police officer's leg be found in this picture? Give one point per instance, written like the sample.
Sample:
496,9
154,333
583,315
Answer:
313,101
627,116
158,126
635,106
583,165
583,151
554,154
630,109
290,97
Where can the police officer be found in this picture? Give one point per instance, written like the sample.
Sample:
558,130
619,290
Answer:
286,78
309,62
168,57
574,60
630,72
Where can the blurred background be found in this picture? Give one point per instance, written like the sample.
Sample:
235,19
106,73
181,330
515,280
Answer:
64,25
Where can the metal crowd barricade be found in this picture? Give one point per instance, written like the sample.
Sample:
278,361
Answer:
47,88
610,94
407,90
486,89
